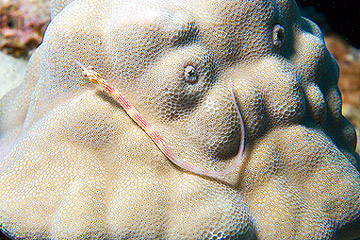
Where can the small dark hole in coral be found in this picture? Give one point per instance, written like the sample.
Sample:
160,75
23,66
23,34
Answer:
190,74
11,23
278,36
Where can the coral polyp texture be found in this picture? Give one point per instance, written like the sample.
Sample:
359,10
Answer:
74,165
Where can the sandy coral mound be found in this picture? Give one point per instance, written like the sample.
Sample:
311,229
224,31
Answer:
74,165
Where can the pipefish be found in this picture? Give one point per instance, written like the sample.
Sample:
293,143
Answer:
96,78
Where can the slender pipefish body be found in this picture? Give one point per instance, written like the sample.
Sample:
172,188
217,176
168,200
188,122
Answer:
96,78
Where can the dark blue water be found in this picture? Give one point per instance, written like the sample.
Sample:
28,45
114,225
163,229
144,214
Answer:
342,17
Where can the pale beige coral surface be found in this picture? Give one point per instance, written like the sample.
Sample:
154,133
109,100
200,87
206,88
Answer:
73,165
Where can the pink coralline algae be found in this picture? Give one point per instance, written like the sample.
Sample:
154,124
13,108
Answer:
21,30
348,59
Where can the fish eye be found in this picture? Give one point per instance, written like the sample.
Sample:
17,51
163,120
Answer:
190,74
278,36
